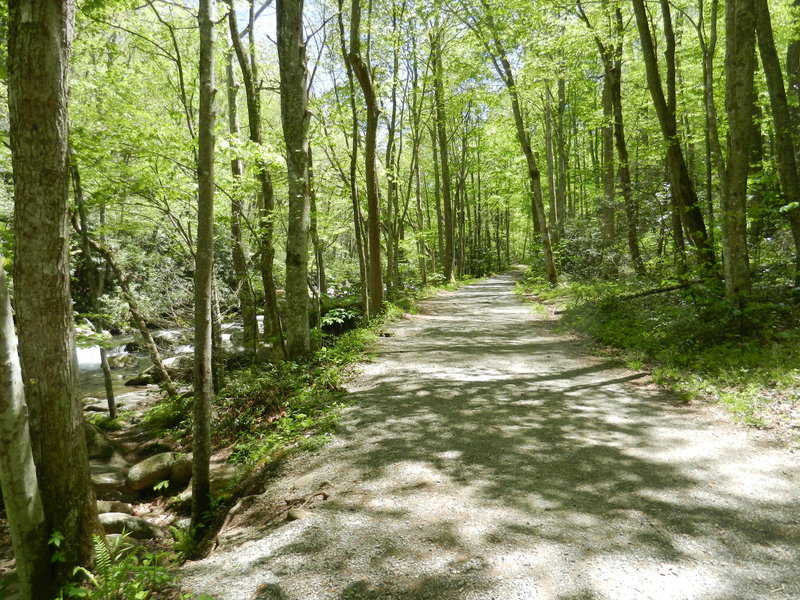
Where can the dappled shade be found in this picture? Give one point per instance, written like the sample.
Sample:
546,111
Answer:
488,456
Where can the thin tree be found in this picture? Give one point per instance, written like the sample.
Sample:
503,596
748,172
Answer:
681,184
204,271
785,146
487,31
364,75
448,258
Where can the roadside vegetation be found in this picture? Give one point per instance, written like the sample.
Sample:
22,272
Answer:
692,339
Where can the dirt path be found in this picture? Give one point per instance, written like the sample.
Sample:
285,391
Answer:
488,457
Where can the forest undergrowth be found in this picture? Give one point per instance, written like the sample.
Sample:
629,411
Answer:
693,341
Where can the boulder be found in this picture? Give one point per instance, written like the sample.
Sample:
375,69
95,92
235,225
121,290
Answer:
109,506
117,522
150,471
142,378
110,484
122,361
97,443
182,469
295,514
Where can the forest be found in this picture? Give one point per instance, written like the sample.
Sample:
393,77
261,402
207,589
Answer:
212,211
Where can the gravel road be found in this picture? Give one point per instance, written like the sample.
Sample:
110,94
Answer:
487,456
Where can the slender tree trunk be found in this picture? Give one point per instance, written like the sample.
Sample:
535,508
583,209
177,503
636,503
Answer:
18,481
739,67
204,270
363,258
295,118
534,178
448,258
624,170
561,152
363,73
680,181
785,148
550,160
246,297
39,41
607,208
266,196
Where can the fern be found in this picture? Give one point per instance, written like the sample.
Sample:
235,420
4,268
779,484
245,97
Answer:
102,557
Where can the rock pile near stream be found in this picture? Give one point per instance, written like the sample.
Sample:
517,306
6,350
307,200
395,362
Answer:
136,469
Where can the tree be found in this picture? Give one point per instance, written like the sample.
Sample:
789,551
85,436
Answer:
363,73
18,479
681,185
204,273
266,195
444,159
739,65
295,118
40,33
785,146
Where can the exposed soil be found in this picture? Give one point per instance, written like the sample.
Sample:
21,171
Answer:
488,456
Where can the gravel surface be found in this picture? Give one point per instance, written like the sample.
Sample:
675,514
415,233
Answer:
489,457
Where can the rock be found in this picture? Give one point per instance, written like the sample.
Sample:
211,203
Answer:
122,361
117,522
182,523
295,514
304,481
140,379
98,444
151,447
182,469
110,484
150,471
180,367
224,478
109,506
182,501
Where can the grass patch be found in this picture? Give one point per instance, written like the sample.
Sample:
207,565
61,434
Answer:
694,341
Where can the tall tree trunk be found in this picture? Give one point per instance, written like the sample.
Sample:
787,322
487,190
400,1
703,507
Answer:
739,67
785,148
448,258
204,271
244,286
680,180
266,195
551,166
23,503
534,179
607,208
295,118
363,73
561,153
363,258
624,169
39,42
